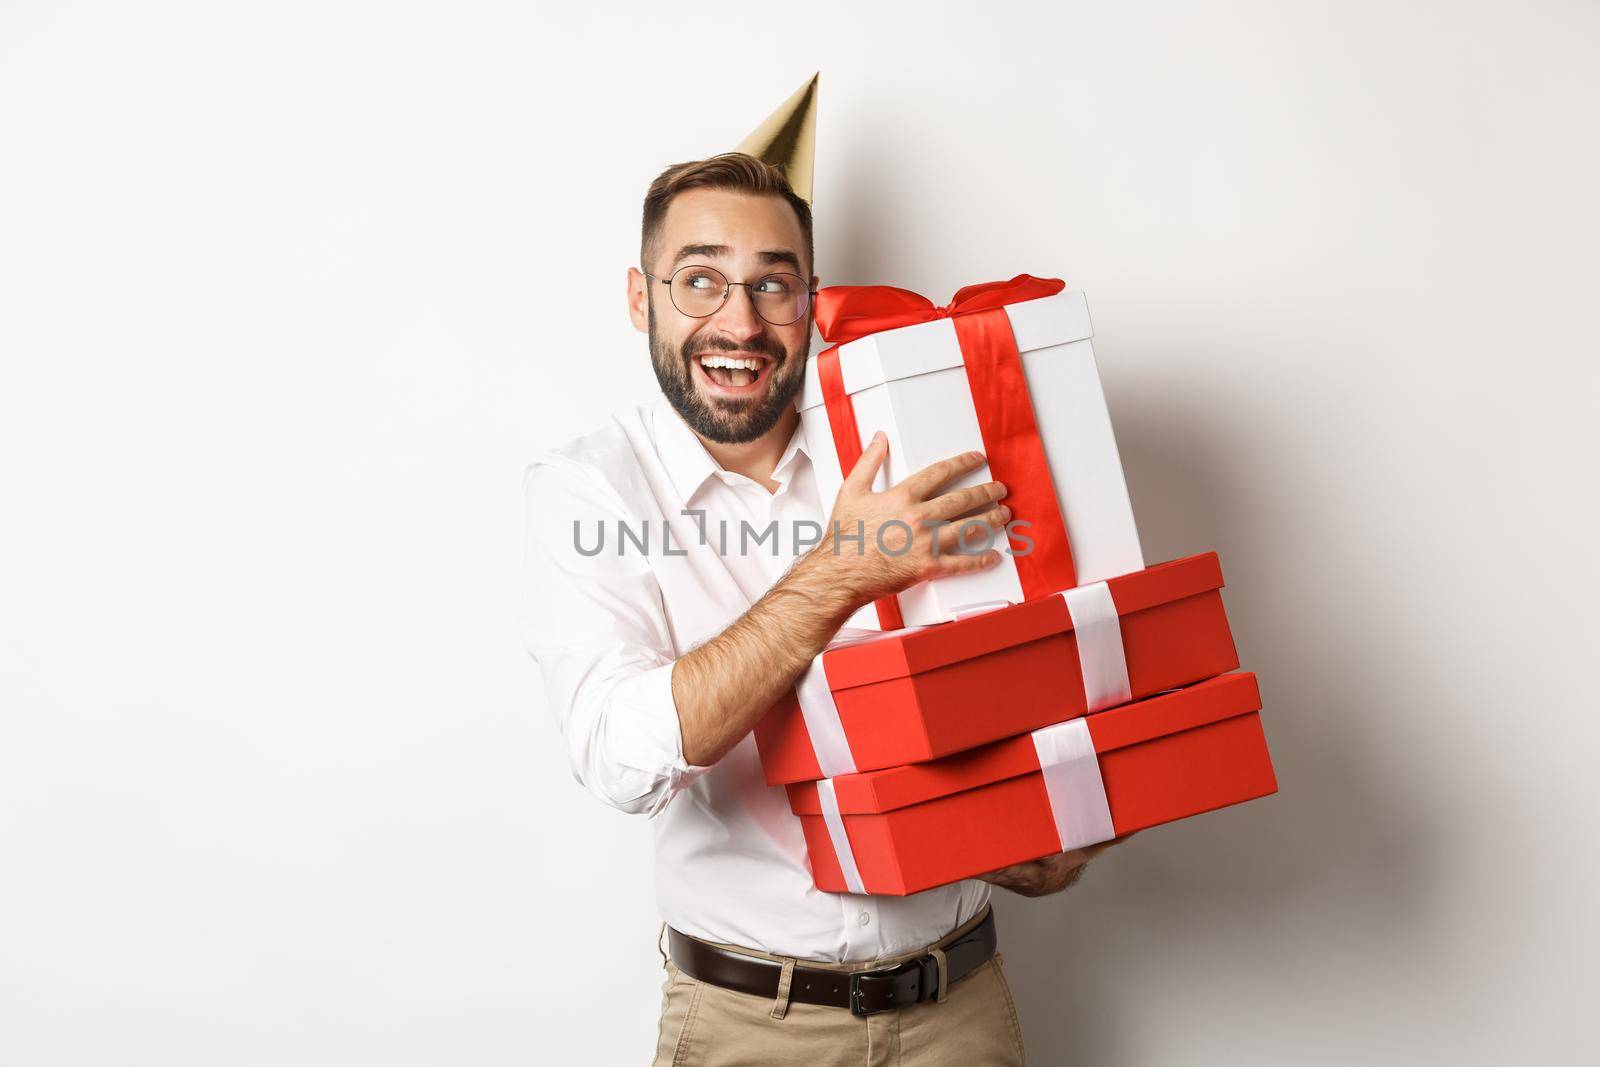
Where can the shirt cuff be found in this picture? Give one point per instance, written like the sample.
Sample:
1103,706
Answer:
652,736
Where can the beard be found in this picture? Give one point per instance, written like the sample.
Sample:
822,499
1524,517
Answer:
726,420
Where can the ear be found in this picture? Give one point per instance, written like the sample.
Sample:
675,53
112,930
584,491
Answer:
639,299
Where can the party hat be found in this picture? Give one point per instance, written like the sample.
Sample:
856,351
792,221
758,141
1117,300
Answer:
788,138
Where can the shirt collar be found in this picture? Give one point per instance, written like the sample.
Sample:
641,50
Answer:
783,473
690,466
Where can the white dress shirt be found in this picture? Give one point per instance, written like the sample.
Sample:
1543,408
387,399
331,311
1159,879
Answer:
606,627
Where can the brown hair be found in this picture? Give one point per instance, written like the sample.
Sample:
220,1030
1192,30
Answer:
731,170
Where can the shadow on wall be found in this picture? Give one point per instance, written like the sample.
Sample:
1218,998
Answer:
1193,918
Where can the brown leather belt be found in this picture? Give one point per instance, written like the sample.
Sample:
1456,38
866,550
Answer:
863,992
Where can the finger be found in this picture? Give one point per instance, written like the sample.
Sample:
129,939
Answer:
866,468
960,501
922,484
996,518
973,533
1014,871
959,564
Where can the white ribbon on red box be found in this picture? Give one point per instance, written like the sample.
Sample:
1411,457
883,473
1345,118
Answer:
1101,658
823,725
836,833
1101,661
1072,781
1066,752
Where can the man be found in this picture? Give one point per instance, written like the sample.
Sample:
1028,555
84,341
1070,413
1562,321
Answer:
660,654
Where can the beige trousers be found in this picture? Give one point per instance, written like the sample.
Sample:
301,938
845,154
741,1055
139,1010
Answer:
703,1025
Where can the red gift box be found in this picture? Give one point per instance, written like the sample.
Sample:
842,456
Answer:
915,827
915,695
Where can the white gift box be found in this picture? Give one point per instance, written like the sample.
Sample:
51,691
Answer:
911,383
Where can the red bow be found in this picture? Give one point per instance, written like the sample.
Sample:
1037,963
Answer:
848,312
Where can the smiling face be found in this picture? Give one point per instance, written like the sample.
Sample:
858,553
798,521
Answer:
731,375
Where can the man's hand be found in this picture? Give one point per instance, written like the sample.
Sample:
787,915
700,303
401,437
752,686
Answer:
880,543
1051,874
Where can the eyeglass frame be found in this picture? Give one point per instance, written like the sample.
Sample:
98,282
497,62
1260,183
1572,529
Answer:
727,290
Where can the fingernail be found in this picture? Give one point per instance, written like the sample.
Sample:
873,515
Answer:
1000,490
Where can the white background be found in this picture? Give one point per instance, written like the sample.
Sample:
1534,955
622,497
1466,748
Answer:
291,292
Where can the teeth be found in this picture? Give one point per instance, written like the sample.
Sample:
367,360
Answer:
729,363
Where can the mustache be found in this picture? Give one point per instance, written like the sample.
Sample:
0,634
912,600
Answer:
765,346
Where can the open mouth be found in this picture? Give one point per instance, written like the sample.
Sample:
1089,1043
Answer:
732,373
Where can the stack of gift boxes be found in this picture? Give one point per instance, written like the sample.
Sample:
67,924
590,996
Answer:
1066,696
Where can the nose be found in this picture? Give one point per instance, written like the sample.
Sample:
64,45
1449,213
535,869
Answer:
737,316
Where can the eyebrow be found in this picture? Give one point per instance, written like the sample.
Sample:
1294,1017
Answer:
770,257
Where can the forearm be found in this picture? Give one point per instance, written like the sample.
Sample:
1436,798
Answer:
722,688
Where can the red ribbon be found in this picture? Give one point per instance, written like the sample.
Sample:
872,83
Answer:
1010,434
848,312
847,443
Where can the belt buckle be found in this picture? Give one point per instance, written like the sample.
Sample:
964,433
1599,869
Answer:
858,996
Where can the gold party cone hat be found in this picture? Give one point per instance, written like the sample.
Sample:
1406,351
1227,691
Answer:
788,138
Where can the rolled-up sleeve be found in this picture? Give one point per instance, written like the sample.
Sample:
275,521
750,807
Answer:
596,624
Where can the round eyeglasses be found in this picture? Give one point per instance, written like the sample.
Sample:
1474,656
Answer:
699,292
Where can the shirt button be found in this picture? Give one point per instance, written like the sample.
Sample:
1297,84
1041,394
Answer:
863,918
